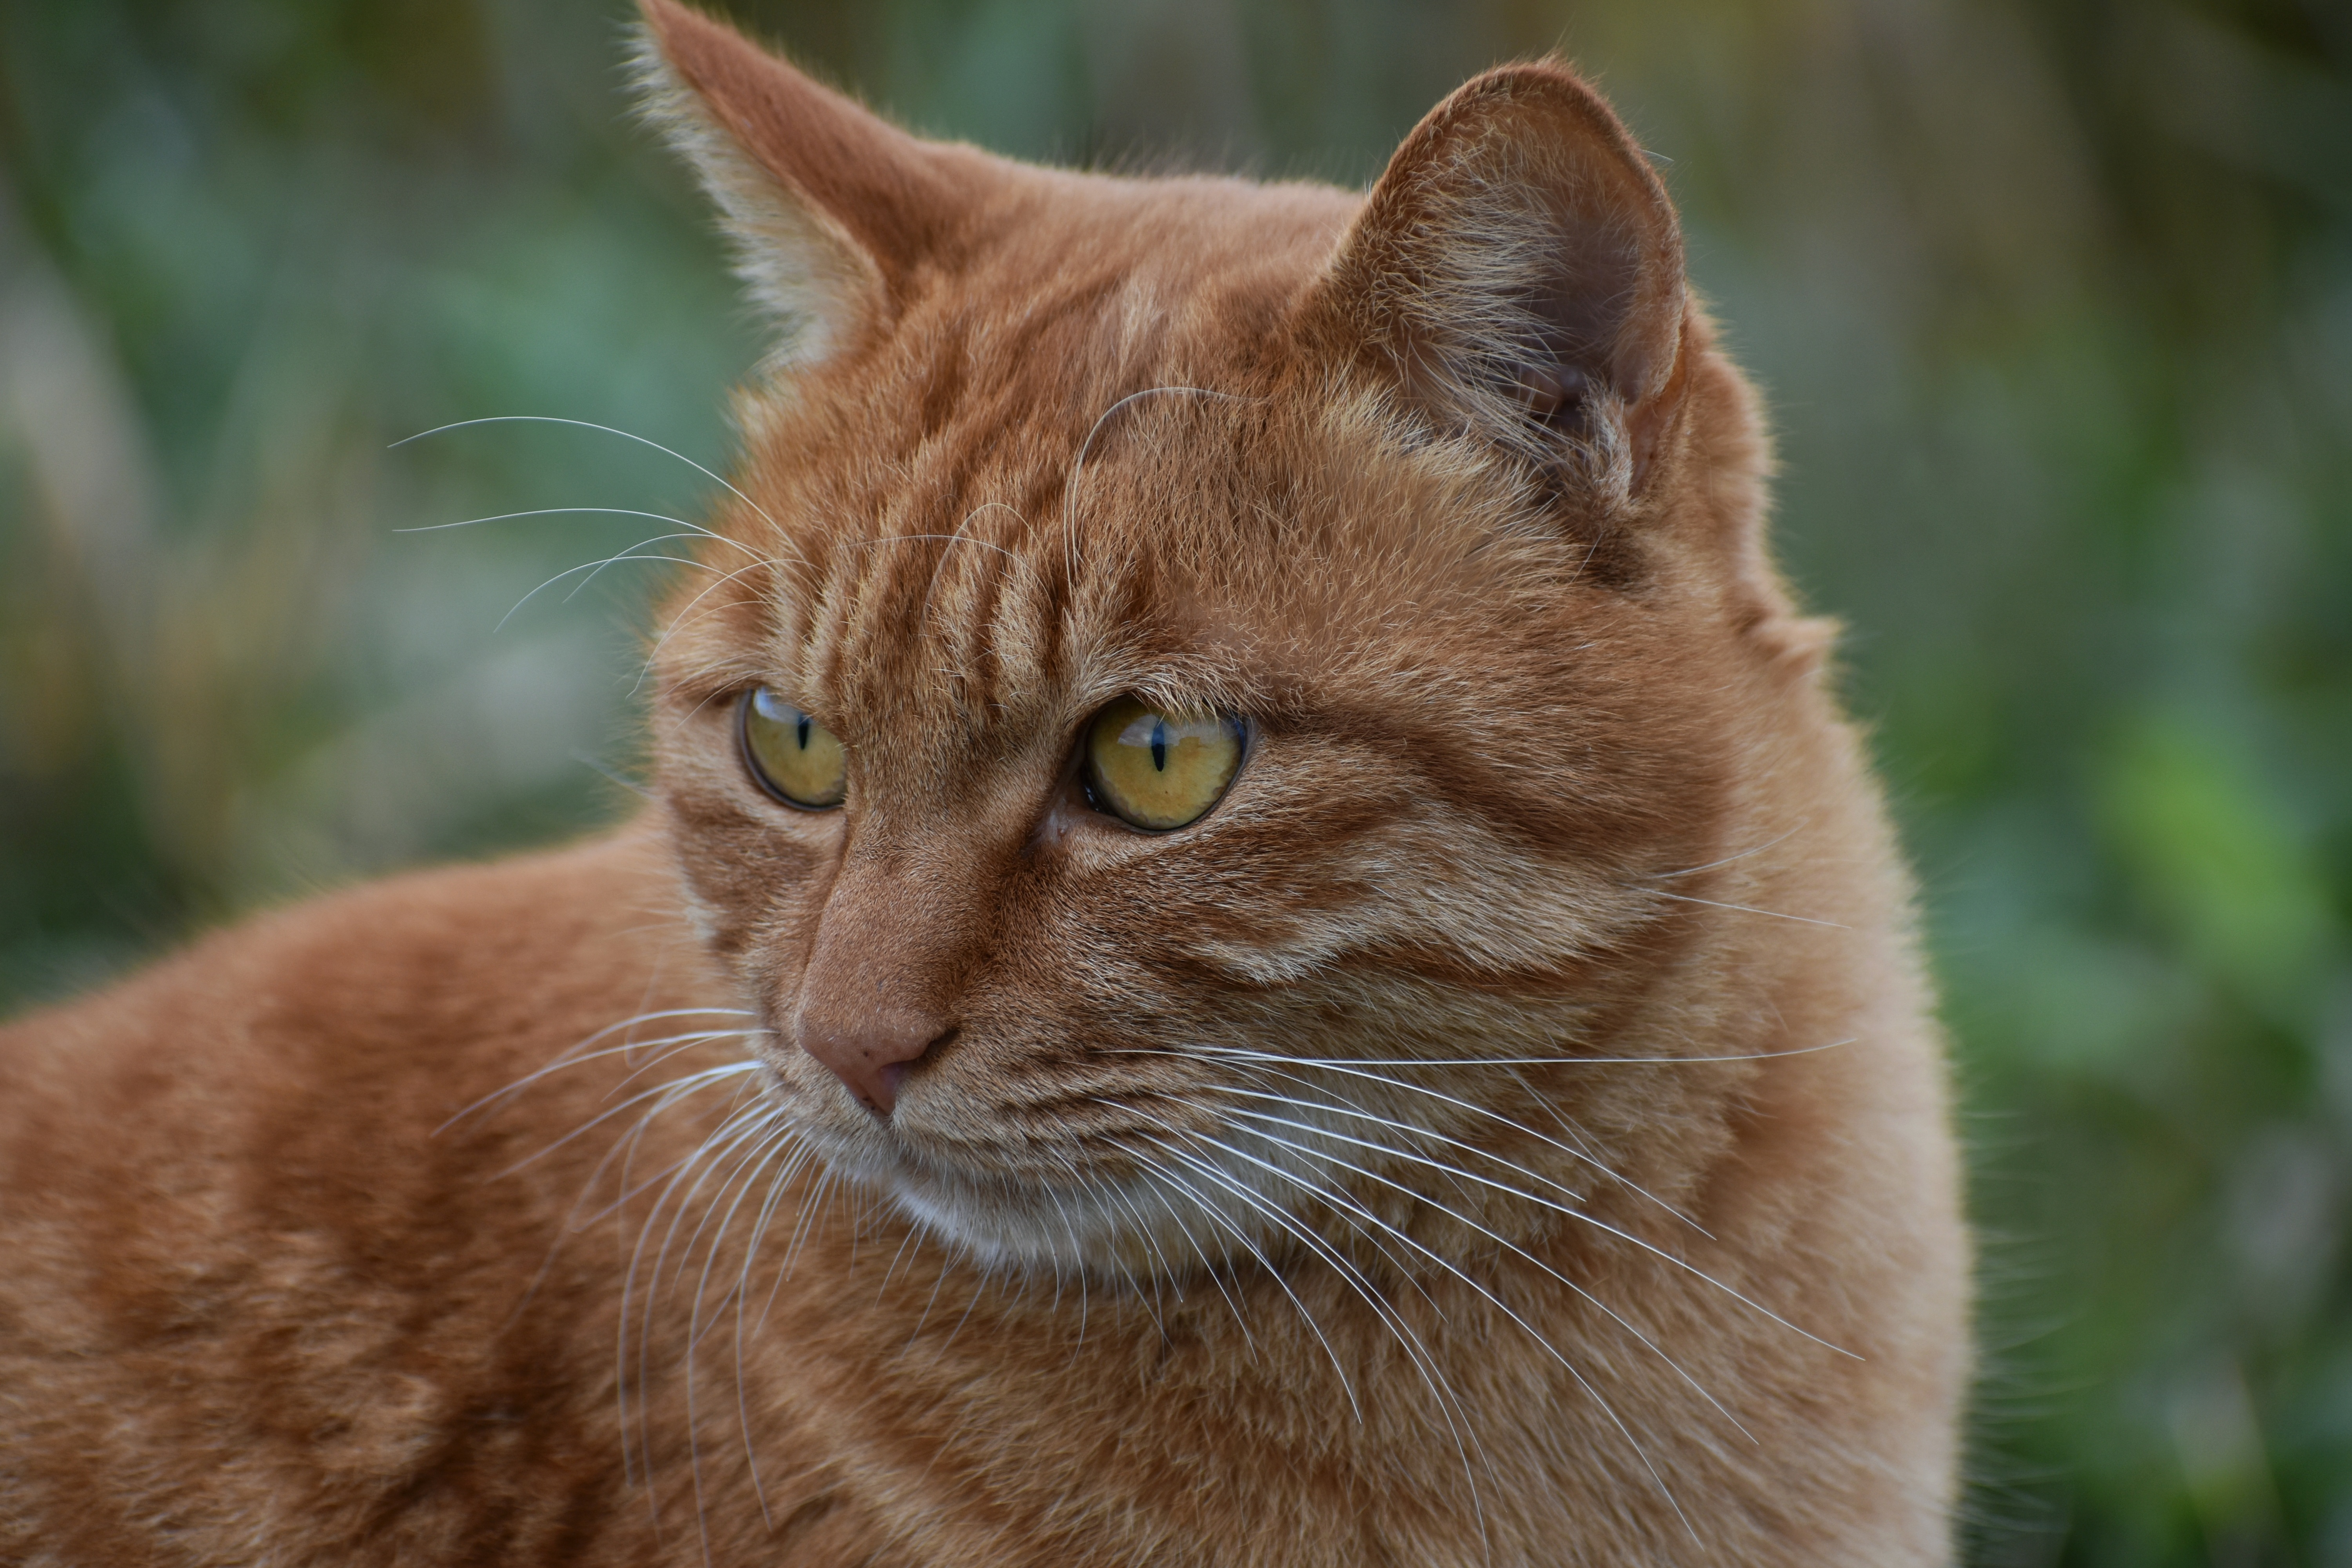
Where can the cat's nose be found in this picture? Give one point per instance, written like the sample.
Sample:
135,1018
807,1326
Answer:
870,1051
882,977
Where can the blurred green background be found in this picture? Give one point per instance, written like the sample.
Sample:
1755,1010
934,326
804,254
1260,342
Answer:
2052,299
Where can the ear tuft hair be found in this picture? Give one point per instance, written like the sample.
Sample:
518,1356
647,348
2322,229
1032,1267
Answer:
830,208
1519,268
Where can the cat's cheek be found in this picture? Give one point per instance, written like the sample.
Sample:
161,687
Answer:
753,886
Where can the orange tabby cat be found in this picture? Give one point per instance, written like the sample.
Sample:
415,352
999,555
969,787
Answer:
1259,943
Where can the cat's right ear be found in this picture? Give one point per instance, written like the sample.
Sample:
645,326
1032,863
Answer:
1518,269
831,208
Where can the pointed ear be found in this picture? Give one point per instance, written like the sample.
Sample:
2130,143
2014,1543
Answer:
1520,269
831,208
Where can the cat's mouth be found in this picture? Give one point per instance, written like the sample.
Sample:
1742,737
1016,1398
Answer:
1053,1187
1030,1212
1017,1225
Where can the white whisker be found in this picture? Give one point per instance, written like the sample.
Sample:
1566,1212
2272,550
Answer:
1492,1061
593,567
923,616
1569,1367
1134,1286
676,1088
1625,1236
1078,463
1263,1059
1348,1108
1252,1200
794,1157
1744,909
1464,1219
572,1053
978,1286
679,619
721,1138
590,425
1422,1359
693,530
769,1132
1773,842
1209,1265
1410,1087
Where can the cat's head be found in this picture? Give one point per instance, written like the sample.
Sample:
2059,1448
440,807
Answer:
1194,692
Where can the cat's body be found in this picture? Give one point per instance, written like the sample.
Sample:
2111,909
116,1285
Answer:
1503,1126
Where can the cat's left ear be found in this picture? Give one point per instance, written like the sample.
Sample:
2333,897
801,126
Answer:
832,209
1519,269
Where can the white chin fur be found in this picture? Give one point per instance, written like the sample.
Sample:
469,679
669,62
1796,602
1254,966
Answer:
1002,1223
1009,1229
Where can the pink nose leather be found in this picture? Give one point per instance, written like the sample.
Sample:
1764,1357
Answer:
870,1052
879,988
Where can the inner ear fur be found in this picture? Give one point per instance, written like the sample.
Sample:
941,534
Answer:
833,211
1519,268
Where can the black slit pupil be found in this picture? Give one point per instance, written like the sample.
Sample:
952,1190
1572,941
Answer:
1159,746
801,729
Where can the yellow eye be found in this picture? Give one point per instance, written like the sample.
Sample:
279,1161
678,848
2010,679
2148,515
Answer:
796,757
1159,770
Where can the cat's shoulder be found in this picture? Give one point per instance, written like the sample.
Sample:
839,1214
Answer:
422,986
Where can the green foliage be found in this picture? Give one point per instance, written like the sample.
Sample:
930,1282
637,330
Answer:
2052,301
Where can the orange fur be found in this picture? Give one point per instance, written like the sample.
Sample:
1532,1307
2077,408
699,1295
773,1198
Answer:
1507,1129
